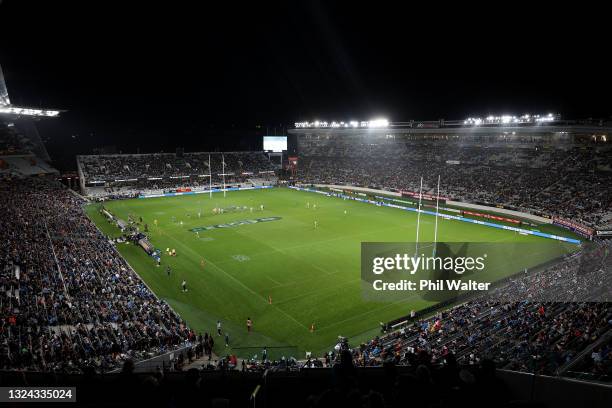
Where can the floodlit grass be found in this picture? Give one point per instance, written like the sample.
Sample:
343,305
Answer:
311,274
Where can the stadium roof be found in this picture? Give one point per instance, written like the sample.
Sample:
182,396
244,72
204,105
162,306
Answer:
6,108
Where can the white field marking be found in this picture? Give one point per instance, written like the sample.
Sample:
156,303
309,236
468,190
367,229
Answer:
240,283
320,290
315,243
383,307
273,280
241,258
317,291
300,281
318,268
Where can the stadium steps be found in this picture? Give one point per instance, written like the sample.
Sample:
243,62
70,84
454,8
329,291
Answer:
203,361
604,339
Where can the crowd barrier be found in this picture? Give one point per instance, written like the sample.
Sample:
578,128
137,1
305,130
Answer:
214,190
446,216
505,211
361,189
459,204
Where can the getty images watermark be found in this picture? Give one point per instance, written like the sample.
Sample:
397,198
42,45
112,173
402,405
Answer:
537,271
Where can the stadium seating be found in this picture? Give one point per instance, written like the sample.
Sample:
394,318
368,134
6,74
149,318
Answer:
69,299
122,174
13,142
536,323
17,157
561,180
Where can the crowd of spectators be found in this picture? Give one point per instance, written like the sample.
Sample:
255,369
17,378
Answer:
535,322
169,170
565,180
13,142
68,300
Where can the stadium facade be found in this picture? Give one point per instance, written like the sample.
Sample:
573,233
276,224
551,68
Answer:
497,128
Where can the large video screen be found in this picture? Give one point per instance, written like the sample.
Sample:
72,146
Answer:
275,143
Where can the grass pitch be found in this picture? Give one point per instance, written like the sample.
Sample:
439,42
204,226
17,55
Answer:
311,274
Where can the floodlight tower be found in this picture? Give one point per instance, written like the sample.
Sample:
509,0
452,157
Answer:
4,98
6,108
24,117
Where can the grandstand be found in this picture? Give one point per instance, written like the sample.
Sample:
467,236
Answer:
129,175
550,167
68,300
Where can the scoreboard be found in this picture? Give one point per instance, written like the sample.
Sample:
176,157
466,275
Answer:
276,144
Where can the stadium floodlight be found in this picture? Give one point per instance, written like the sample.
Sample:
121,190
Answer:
378,123
548,118
510,119
16,110
473,121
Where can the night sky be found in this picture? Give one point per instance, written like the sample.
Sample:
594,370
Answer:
162,75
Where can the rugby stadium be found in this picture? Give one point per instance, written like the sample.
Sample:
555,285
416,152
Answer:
334,261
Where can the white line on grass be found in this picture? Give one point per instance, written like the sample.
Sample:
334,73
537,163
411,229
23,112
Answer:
237,281
273,280
316,243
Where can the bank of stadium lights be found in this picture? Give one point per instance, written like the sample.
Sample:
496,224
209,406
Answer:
14,110
375,123
510,119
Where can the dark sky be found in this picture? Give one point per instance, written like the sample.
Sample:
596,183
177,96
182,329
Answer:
157,75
